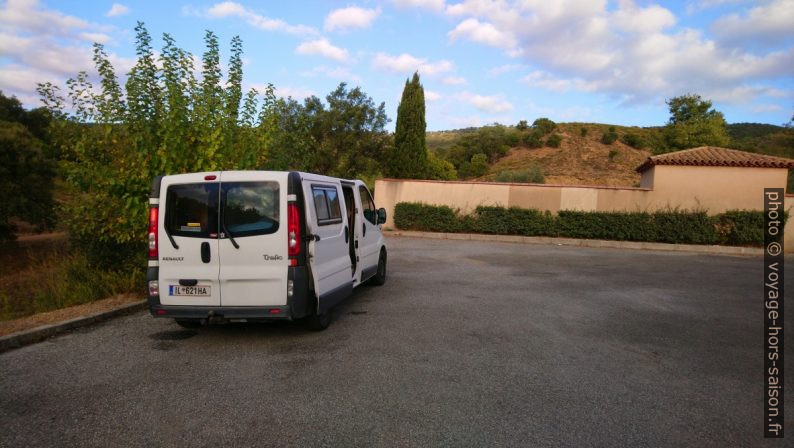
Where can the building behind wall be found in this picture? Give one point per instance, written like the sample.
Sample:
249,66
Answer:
706,178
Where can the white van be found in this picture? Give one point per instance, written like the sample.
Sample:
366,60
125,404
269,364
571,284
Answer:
260,245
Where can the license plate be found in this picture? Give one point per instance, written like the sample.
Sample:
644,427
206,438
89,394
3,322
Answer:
198,290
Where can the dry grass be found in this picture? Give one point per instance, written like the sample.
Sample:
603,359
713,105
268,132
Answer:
42,275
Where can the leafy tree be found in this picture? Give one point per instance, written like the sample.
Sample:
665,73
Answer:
346,138
694,123
522,125
544,125
113,142
476,167
26,176
409,157
493,141
440,169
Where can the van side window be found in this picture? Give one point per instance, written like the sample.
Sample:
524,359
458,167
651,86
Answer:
368,205
326,205
192,210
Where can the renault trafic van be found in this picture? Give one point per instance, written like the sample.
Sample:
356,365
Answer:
260,245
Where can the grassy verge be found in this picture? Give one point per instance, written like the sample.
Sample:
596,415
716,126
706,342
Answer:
49,279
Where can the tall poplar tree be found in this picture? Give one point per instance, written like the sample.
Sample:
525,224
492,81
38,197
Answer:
409,156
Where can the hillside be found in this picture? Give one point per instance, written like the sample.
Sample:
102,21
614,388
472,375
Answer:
584,160
579,160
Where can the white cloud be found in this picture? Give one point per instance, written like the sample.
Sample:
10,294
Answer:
491,104
482,32
117,10
350,17
405,63
433,5
27,16
454,81
769,23
635,52
43,45
322,47
432,96
233,9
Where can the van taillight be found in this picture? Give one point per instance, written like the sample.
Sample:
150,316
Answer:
293,234
153,232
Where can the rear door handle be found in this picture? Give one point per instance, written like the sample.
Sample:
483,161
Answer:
347,234
364,229
206,256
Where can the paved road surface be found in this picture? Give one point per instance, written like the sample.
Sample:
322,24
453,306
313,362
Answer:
468,344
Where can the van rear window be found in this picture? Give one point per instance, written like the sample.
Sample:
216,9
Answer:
192,210
251,208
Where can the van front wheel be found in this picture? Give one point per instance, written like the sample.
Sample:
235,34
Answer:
380,275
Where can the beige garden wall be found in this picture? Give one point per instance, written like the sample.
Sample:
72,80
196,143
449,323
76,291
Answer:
713,189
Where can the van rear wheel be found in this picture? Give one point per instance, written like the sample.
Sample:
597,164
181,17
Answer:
317,321
380,275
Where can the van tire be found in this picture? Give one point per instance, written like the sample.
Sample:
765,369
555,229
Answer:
380,275
186,323
317,321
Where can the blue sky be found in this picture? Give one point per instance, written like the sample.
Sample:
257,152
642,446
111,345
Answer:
480,61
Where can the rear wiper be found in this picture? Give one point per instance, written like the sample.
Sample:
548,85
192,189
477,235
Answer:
231,237
171,239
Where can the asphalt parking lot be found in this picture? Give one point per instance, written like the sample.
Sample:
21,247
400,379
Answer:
467,344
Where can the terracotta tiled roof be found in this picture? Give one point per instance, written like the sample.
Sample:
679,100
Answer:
715,156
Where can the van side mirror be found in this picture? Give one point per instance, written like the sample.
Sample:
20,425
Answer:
381,215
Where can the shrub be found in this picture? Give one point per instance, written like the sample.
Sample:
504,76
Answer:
434,218
634,140
741,227
532,139
631,226
554,140
684,227
666,226
544,125
536,175
438,168
513,221
583,131
610,136
513,176
522,125
612,154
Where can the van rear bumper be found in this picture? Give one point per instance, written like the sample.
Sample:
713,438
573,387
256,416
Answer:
218,312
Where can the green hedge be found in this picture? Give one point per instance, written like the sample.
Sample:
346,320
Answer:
735,228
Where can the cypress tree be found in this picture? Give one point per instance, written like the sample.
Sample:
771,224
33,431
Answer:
409,157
